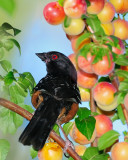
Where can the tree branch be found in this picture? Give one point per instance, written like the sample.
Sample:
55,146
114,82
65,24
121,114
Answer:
24,113
93,109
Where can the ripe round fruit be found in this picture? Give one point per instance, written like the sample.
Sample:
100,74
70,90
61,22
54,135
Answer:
50,151
72,58
85,64
104,93
86,80
121,6
120,151
109,107
76,27
95,6
107,13
80,149
121,29
102,67
103,125
78,137
54,13
85,94
108,28
75,8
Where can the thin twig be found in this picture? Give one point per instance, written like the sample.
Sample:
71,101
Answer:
93,109
17,109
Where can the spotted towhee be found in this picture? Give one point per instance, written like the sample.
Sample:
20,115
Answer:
55,98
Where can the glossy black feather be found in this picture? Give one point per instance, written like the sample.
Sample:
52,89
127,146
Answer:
38,129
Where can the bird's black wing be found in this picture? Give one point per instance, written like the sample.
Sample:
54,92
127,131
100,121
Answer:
59,88
42,122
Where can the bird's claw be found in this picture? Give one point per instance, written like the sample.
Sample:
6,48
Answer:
68,143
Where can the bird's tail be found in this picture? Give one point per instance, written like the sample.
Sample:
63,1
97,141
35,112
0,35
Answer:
41,124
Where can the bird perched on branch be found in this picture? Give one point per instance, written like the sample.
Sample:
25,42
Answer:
55,97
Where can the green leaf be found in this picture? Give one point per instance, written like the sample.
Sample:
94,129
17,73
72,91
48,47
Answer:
94,114
82,37
20,88
121,60
115,40
93,22
9,78
15,97
120,97
16,43
27,81
107,139
92,153
28,108
70,158
67,127
7,26
121,114
114,117
86,126
9,121
4,149
8,45
88,3
56,129
6,65
3,33
2,53
83,113
61,2
84,51
8,5
33,153
17,120
67,22
123,86
104,79
121,73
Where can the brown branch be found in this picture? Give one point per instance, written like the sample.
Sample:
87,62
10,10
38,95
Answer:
92,103
93,109
17,109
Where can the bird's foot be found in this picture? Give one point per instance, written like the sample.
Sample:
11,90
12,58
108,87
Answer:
68,143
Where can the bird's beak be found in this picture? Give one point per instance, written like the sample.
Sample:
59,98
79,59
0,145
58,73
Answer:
42,56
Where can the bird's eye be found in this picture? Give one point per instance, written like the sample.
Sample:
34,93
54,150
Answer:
54,57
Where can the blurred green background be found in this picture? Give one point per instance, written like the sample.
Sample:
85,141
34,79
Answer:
36,36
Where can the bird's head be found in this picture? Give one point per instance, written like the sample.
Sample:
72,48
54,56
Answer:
58,64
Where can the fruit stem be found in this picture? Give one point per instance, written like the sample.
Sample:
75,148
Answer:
24,113
93,109
118,16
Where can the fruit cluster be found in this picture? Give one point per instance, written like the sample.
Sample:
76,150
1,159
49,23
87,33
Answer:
97,39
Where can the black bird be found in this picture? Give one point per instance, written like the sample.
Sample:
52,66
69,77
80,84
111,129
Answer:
55,98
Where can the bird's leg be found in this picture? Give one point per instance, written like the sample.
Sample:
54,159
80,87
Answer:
68,143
